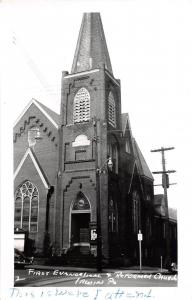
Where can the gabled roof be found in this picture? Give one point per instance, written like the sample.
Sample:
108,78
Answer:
52,116
141,163
34,159
91,50
50,112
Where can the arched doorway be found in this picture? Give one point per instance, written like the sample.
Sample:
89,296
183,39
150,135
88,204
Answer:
80,219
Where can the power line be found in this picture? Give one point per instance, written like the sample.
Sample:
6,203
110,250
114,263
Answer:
31,63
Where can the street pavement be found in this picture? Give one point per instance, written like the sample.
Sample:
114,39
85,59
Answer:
50,276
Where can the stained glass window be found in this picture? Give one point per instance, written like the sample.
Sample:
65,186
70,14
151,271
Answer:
27,207
81,106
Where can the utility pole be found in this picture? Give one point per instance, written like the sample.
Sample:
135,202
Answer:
165,177
165,185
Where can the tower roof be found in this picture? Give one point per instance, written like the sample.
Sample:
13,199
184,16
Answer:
91,50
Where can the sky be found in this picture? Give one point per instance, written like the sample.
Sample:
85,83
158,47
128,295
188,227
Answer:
150,46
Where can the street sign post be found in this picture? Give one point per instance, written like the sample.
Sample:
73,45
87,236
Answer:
140,238
93,233
93,238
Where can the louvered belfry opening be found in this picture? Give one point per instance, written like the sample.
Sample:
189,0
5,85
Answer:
111,110
81,106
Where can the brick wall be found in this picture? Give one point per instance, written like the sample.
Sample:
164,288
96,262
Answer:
46,152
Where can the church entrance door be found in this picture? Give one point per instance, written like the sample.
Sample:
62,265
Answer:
80,229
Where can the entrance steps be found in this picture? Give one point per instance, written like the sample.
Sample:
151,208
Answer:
82,261
80,256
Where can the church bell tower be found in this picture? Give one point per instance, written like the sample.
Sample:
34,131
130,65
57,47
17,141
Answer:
90,125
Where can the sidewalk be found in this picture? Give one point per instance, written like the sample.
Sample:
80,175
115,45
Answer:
132,269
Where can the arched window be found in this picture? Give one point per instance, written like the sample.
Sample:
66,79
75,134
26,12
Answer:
81,140
136,211
27,207
81,111
114,155
113,216
111,110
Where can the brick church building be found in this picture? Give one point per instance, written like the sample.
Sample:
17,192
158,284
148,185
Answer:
69,168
